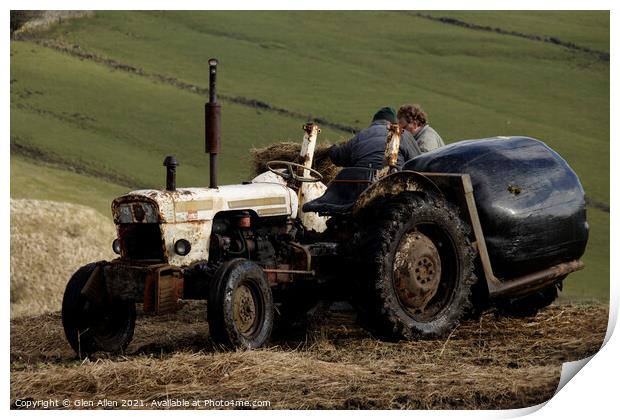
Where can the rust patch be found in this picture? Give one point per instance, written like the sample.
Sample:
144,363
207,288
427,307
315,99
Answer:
131,206
163,290
417,271
392,146
310,128
138,212
534,281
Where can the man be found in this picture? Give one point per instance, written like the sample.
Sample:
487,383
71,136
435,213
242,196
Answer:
413,119
367,148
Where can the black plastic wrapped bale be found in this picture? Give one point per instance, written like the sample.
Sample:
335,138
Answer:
530,202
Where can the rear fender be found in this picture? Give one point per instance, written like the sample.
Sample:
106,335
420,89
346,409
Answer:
394,184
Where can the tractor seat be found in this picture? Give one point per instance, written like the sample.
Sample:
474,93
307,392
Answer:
342,192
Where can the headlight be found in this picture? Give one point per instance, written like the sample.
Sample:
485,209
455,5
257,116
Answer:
182,247
116,246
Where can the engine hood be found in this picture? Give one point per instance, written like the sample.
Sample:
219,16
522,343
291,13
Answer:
195,204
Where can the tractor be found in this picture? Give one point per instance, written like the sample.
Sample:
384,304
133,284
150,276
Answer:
404,245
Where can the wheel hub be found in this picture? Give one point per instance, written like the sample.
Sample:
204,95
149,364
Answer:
417,271
244,309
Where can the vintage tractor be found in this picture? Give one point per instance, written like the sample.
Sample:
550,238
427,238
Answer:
405,245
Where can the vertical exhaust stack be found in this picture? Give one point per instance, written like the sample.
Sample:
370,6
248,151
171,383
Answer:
171,168
212,124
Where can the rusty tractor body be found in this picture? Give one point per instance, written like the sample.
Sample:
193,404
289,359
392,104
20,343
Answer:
407,248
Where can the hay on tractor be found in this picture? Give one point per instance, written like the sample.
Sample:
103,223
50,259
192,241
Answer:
289,151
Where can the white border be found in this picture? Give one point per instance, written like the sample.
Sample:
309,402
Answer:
592,394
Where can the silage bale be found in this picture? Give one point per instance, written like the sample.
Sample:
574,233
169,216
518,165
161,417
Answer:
530,201
49,242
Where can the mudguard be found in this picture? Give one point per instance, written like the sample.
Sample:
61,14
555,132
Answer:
394,184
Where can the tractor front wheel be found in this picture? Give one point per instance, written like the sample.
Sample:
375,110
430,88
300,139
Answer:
240,305
91,327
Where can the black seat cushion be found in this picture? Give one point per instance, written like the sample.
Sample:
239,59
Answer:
342,192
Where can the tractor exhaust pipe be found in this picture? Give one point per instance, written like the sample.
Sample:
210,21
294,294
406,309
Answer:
171,168
212,124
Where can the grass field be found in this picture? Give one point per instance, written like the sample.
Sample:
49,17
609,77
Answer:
588,29
83,130
121,126
488,83
47,182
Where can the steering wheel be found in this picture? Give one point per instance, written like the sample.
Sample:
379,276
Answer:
272,165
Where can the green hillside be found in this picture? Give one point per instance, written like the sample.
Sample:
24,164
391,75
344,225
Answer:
585,28
103,115
121,126
45,182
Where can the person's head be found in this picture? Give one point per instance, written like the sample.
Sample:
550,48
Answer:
385,113
411,118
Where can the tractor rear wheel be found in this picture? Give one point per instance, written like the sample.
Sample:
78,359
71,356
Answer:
91,327
417,267
240,305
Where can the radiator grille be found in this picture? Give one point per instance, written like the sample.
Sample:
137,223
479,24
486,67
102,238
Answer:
141,241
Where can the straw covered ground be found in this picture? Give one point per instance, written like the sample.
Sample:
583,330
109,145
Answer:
487,363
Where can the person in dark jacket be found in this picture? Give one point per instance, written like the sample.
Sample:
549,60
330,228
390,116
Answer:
367,148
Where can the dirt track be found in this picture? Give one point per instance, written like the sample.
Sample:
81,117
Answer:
487,363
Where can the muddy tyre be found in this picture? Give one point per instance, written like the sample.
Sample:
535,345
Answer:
417,267
90,328
240,305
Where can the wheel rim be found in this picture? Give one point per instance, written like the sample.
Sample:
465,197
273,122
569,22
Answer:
247,309
430,240
417,272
